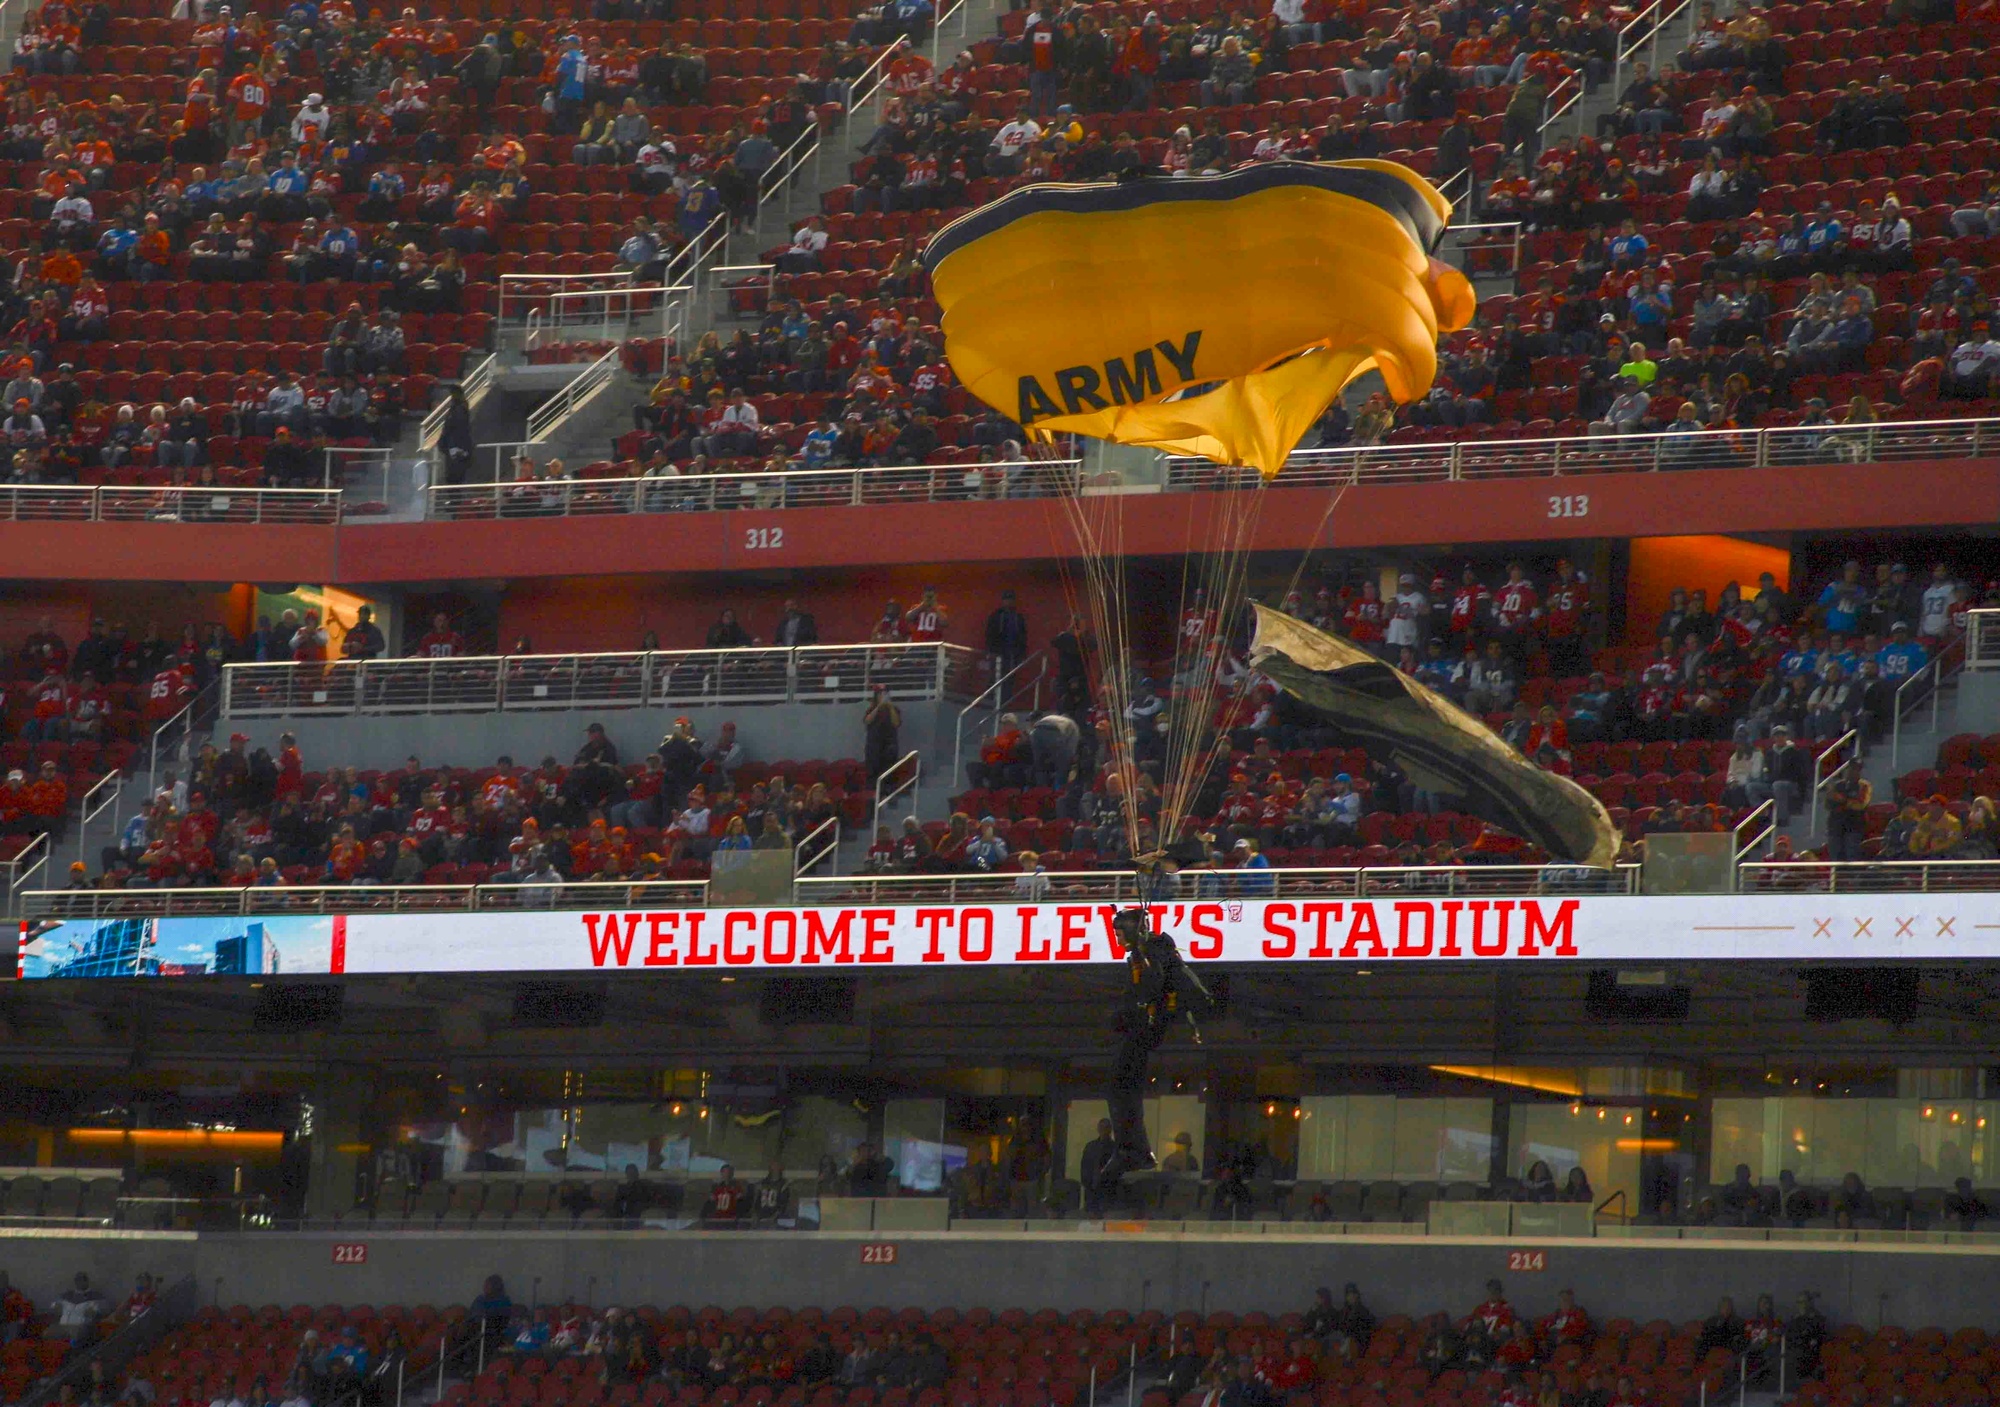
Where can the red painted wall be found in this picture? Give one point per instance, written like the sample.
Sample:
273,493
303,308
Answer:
900,540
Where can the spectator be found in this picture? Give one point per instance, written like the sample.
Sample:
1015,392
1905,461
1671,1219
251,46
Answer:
78,1311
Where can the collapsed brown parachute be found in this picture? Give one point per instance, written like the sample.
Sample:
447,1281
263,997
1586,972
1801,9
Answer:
1216,316
1438,745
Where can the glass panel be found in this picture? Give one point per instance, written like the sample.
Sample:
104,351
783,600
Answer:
913,1137
1322,1136
1745,1132
1839,1132
1419,1149
1467,1137
1371,1138
1380,1138
1565,1136
1906,1143
1166,1116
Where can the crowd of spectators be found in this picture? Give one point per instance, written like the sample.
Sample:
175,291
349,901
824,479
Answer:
39,1340
247,816
1336,1344
390,159
1729,708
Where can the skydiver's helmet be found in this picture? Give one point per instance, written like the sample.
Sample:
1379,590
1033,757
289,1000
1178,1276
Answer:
1131,927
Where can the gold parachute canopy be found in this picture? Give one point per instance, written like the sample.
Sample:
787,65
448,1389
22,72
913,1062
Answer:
1217,316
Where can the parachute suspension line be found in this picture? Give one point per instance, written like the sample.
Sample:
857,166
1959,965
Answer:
1098,522
1220,530
1312,543
1220,566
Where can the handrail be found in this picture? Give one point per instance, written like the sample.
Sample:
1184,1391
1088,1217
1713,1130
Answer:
1560,456
607,327
552,414
1428,880
348,455
1868,876
1939,668
909,785
175,1305
1437,461
216,900
86,813
1359,883
723,492
1620,1199
218,689
688,262
166,503
1851,738
998,708
1744,847
1513,227
829,829
1573,82
635,679
806,146
1982,639
475,384
23,868
1755,877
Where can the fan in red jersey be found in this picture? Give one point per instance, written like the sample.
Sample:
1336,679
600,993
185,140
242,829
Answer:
442,642
926,621
1568,613
1516,608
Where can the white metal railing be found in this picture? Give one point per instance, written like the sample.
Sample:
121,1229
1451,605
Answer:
100,798
751,276
993,699
1982,639
1507,230
640,679
475,384
691,261
583,388
1442,461
1643,29
1869,877
1120,885
1429,462
604,315
22,869
522,294
1753,877
177,734
189,503
1926,686
822,842
1762,822
809,145
1826,764
910,767
792,488
367,465
360,898
505,452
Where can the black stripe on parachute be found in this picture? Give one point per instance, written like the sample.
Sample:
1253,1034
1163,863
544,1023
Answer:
1388,193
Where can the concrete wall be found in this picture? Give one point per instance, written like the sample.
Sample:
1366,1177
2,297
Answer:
1912,1286
768,732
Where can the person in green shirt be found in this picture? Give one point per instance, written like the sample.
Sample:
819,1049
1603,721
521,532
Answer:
1640,366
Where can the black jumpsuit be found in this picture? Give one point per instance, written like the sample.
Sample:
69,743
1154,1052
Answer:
1160,991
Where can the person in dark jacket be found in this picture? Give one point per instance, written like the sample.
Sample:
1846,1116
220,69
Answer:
1006,636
